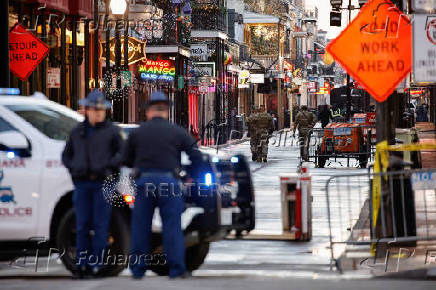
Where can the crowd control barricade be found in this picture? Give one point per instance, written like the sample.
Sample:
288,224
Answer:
381,209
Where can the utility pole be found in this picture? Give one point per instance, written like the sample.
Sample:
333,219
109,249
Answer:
348,116
4,48
280,112
96,45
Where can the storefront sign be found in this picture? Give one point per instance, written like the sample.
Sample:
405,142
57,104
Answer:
424,180
376,48
136,50
311,86
199,50
25,51
204,69
244,79
424,48
204,88
423,5
53,77
157,70
257,78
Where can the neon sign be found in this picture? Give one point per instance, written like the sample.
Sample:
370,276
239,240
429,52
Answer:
164,70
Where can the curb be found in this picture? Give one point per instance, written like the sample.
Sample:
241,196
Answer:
419,274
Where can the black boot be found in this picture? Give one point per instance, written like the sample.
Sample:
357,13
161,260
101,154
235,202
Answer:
81,273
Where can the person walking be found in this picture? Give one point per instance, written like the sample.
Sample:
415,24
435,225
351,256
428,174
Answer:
261,126
92,153
304,122
154,151
324,116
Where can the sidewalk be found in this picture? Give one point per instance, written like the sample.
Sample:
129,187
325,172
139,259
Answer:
427,135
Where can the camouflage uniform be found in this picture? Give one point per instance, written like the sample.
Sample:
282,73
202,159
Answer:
304,121
261,126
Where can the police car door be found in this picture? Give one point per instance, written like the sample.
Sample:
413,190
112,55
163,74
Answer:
19,182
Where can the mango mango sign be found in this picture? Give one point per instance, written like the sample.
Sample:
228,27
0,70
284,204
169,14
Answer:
26,51
376,48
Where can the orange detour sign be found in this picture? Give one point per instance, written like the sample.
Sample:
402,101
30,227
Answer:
376,48
25,51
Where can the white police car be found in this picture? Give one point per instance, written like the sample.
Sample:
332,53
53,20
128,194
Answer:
36,210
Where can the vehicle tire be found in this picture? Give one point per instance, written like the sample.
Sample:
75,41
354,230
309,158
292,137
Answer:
194,258
118,241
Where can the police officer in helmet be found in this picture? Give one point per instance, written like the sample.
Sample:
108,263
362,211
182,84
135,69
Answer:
154,151
92,153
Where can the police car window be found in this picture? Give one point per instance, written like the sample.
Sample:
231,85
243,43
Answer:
51,123
5,126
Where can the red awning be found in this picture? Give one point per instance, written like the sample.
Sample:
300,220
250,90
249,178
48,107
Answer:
71,7
82,8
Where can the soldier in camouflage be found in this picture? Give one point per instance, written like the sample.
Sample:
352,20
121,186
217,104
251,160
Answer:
261,127
304,121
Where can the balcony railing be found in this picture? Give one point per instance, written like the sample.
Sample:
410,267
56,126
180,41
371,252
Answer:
265,60
209,15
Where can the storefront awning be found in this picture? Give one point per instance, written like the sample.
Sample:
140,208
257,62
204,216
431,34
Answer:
208,34
168,49
58,5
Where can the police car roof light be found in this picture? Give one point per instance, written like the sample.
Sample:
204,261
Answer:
10,91
208,179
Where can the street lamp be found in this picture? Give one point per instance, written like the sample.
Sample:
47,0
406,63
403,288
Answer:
118,7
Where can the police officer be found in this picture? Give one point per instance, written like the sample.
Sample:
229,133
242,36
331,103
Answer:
154,151
92,153
304,121
261,126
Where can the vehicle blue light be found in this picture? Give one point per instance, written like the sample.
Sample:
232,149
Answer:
234,159
10,154
215,159
208,179
9,91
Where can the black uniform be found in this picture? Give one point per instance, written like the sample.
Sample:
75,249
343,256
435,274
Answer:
157,144
154,149
91,154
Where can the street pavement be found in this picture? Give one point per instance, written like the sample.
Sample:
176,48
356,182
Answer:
256,264
311,257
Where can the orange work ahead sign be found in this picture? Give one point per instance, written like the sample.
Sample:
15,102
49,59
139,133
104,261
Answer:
376,48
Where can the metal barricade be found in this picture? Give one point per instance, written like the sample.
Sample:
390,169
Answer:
380,209
218,133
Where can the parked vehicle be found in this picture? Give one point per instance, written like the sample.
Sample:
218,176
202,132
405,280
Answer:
36,209
343,140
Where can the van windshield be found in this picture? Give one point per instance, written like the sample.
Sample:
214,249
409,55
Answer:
52,123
